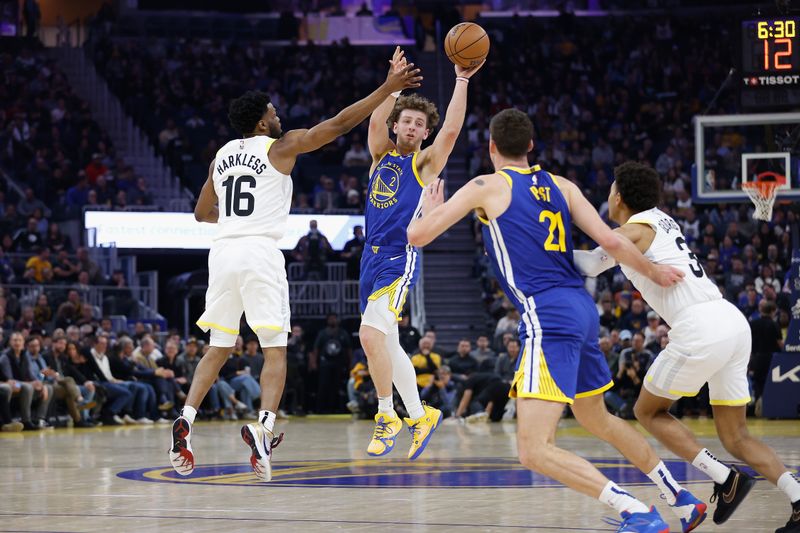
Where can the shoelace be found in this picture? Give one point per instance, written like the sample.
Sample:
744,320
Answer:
716,493
381,429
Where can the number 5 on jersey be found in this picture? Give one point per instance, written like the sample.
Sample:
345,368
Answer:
554,243
234,195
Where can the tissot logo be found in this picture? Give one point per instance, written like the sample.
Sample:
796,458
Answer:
792,375
754,81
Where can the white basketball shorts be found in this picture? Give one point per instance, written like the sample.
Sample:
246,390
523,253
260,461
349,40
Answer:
247,274
709,342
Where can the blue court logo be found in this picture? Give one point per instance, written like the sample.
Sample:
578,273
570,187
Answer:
400,473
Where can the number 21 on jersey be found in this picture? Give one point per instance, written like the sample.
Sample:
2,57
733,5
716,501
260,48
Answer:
554,243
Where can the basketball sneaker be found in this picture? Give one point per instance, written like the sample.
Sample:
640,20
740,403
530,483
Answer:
690,510
649,522
387,427
793,525
261,443
180,452
421,430
730,494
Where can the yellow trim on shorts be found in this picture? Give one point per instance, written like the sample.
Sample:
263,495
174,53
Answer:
733,403
267,326
547,386
595,392
217,326
390,290
416,172
547,397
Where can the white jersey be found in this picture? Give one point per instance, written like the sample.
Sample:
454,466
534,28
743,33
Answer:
669,248
254,198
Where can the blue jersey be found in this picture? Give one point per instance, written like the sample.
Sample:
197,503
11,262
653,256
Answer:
395,193
530,244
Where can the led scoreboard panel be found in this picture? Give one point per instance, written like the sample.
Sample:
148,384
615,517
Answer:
770,71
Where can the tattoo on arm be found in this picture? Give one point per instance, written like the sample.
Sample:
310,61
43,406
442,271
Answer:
479,181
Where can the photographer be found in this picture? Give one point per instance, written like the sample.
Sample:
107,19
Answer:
633,365
441,394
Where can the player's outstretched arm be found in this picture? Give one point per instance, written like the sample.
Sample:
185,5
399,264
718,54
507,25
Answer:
595,262
378,139
616,244
431,161
286,149
206,209
438,216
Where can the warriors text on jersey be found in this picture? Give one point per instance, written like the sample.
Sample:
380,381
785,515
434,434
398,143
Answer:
254,198
669,247
395,192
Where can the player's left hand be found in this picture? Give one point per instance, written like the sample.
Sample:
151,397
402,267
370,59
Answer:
667,276
433,196
468,72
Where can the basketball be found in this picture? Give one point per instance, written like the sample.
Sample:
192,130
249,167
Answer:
466,44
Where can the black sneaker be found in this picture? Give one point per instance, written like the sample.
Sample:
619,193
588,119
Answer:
730,494
794,521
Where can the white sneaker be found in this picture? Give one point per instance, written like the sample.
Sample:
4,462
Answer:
281,415
483,416
261,443
240,406
180,450
128,419
144,421
352,406
118,420
163,421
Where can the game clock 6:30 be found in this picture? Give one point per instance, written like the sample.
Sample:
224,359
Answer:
777,29
772,45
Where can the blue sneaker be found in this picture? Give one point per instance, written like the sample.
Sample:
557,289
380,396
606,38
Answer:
690,510
650,522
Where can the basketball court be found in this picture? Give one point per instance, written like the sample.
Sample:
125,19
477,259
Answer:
119,479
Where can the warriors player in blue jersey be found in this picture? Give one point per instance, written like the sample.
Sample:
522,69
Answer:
527,215
400,171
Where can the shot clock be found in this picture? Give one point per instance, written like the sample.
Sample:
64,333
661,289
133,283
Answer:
770,71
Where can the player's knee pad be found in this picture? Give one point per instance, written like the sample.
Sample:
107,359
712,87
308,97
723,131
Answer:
222,339
270,338
379,316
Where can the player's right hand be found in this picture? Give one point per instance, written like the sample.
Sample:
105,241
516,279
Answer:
402,75
667,276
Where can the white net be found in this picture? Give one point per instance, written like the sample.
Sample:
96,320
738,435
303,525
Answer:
763,196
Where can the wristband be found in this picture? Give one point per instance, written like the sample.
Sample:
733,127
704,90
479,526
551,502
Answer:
396,94
462,78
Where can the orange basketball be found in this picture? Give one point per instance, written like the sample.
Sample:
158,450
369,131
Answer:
466,44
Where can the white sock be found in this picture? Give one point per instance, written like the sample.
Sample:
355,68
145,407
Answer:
188,412
711,466
386,405
666,483
267,419
615,497
403,376
789,484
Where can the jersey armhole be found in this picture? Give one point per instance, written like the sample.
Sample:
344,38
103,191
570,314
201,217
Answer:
416,172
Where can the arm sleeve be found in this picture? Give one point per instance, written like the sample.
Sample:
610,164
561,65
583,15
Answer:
593,263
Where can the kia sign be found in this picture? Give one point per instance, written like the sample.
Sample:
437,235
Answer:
782,389
147,231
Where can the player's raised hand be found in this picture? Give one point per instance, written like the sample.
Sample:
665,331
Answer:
433,196
468,72
666,275
402,75
398,60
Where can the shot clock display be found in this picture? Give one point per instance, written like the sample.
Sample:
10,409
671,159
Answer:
770,71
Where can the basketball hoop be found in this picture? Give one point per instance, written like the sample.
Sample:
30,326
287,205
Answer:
763,191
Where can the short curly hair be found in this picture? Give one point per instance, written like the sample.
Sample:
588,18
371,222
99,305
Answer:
512,132
638,185
415,102
245,112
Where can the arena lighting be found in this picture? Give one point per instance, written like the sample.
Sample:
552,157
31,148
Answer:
167,231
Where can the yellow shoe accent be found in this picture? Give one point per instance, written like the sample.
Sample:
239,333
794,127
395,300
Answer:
421,430
387,427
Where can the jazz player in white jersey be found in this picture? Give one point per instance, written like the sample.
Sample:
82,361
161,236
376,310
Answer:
248,194
709,343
